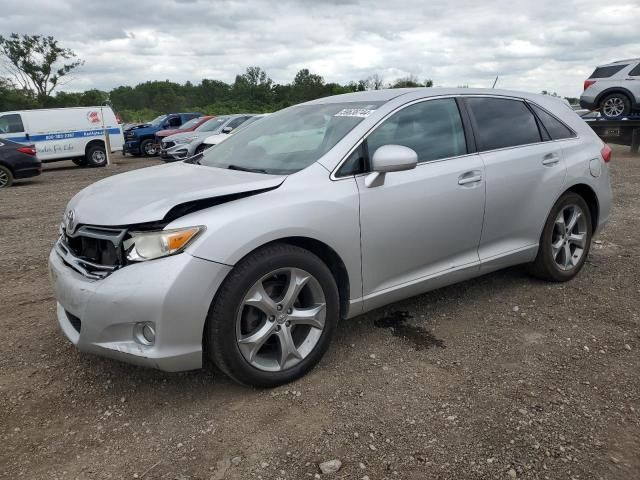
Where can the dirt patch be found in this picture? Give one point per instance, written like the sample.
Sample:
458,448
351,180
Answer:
420,337
549,390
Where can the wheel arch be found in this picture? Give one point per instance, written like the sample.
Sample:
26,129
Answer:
623,90
93,143
589,195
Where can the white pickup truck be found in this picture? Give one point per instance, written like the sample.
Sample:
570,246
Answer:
76,134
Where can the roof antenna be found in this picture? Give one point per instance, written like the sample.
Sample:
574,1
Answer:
494,82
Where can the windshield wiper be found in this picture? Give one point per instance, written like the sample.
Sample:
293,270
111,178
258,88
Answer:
246,169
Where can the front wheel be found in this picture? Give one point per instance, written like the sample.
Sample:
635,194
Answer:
273,317
96,156
565,240
147,148
615,106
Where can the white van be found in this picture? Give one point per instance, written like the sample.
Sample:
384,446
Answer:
65,133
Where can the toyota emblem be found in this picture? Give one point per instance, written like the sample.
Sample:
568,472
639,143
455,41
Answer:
70,221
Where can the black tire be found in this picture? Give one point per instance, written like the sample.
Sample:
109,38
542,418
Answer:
96,156
201,148
545,266
6,177
80,161
613,103
147,149
220,340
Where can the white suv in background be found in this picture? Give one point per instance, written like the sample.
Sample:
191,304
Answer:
614,89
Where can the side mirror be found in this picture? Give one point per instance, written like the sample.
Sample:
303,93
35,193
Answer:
227,130
390,158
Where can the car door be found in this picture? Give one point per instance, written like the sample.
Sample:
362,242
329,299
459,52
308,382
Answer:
524,176
421,222
12,128
632,82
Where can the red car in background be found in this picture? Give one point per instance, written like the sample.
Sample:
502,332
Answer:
189,126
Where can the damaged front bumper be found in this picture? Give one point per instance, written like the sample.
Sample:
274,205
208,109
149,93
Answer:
172,294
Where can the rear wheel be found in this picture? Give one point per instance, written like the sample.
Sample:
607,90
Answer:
6,177
565,240
96,156
615,106
273,317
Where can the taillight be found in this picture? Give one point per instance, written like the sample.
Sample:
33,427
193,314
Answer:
27,150
588,83
606,153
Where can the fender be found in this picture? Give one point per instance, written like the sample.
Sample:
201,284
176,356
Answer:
632,97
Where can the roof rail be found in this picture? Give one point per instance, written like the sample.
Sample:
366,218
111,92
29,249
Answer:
626,60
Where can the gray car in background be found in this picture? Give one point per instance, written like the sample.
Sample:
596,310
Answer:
184,145
613,89
250,254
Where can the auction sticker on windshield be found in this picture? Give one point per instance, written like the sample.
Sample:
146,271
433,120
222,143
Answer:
354,112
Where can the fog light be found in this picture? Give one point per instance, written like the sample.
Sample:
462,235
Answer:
145,333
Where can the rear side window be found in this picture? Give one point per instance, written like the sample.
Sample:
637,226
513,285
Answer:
11,123
501,123
432,128
635,71
606,72
554,127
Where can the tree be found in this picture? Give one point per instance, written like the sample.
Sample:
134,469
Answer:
37,63
306,86
375,82
408,82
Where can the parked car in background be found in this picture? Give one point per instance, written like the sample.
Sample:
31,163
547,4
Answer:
215,139
17,161
250,254
187,144
189,126
64,133
139,139
613,89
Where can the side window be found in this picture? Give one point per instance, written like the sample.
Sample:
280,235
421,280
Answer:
501,123
556,129
356,163
175,121
432,128
635,71
11,123
236,122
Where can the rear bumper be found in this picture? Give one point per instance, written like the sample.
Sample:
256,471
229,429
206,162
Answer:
27,171
174,294
589,104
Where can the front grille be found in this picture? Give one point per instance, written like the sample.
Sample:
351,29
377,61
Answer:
75,322
93,251
168,144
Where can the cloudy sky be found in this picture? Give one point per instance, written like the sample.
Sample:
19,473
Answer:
532,44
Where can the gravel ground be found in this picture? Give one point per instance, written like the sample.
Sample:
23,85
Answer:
499,377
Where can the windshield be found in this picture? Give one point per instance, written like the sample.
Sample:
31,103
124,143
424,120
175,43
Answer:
290,140
156,122
191,123
213,124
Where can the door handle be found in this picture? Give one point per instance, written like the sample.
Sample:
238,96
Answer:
629,78
551,159
469,177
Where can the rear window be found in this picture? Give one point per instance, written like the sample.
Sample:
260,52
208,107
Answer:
556,129
501,123
605,72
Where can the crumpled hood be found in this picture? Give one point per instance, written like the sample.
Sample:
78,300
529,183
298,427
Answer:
147,194
181,135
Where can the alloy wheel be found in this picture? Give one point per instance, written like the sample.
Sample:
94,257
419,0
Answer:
98,157
569,237
4,178
613,107
281,319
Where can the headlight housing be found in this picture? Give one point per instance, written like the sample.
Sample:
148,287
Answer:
142,246
185,140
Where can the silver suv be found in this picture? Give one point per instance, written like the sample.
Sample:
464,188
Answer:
614,89
250,254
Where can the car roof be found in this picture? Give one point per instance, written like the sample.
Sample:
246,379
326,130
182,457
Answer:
388,94
617,62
